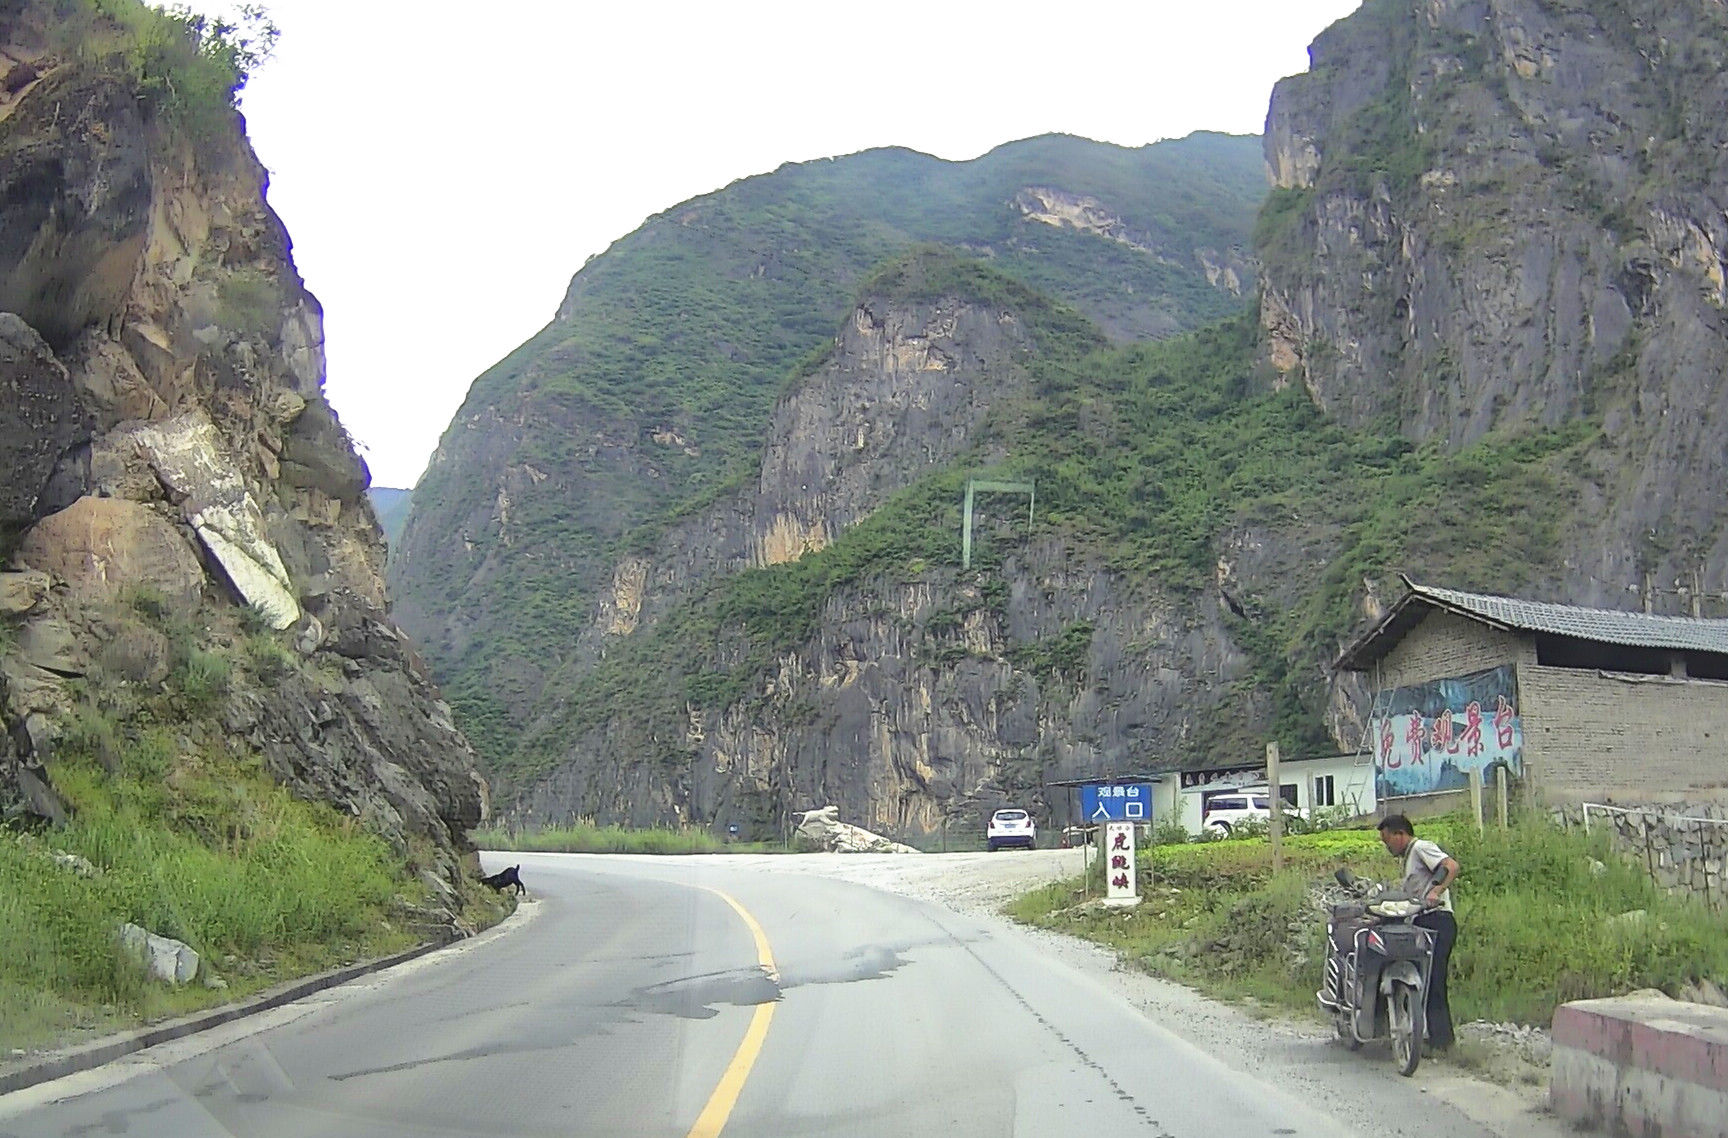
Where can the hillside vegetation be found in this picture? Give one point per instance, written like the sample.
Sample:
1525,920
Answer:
1147,454
650,391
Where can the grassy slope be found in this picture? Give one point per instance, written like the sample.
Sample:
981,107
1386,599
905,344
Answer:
1180,441
1536,925
696,321
191,839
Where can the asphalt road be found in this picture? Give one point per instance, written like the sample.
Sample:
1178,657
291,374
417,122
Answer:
680,997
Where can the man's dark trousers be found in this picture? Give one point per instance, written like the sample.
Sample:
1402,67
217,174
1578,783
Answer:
1445,929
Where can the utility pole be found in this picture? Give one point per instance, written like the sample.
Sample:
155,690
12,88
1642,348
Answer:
1275,800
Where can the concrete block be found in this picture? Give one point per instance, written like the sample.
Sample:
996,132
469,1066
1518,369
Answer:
1642,1066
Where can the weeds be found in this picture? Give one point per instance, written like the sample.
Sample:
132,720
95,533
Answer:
585,837
1538,924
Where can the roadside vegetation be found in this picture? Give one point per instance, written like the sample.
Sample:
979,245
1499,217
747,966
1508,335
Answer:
586,837
177,828
1545,916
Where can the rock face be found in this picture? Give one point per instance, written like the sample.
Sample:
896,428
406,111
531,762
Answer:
915,700
1499,215
166,449
649,394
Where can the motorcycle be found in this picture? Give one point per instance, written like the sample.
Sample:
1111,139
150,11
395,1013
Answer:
1378,964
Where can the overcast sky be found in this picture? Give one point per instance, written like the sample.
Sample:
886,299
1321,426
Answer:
444,171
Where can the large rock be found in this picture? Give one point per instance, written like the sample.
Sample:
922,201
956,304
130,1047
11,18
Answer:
166,959
41,420
188,457
317,455
101,546
74,201
825,828
21,592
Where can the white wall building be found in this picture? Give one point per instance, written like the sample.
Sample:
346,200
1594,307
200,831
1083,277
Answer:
1308,784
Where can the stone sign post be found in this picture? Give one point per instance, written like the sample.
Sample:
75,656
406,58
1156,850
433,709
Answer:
1121,884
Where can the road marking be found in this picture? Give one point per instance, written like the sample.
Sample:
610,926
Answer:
713,1118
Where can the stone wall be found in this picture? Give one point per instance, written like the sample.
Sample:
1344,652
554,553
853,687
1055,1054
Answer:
1685,847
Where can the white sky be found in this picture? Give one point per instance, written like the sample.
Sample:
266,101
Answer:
444,170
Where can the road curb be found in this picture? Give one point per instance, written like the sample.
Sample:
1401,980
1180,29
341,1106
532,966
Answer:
71,1060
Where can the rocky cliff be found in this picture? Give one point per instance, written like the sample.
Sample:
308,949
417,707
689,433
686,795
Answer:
906,696
649,394
1487,349
187,540
1499,215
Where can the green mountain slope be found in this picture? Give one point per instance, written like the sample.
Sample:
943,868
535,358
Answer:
651,389
1147,459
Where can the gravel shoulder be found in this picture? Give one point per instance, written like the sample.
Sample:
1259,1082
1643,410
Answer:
1299,1055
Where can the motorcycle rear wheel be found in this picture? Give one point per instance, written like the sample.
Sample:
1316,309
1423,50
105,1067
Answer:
1407,1014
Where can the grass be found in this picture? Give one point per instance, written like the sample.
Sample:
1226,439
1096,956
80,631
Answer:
585,837
1536,923
191,846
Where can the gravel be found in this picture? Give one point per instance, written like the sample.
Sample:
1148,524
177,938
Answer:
1441,1100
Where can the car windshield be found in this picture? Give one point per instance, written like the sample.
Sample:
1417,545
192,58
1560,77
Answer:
1010,815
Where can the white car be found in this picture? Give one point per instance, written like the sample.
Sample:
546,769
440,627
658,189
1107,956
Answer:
1224,812
1011,828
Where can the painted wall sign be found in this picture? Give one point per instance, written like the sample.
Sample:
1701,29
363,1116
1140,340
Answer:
1427,738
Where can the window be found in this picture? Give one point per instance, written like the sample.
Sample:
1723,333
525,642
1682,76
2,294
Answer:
1325,793
1287,791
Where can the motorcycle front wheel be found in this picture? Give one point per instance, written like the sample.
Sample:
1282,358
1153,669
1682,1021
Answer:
1407,1015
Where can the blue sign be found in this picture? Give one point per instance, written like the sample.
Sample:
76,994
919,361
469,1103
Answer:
1124,802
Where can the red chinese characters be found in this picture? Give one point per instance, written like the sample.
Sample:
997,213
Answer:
1471,736
1441,734
1121,842
1413,735
1503,716
1120,881
1118,861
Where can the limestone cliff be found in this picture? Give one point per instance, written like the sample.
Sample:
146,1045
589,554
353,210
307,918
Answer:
170,462
1499,215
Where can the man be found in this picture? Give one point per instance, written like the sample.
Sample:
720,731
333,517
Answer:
1429,872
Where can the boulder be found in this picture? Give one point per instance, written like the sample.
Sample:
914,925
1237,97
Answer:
189,460
21,592
47,642
101,546
317,455
825,828
166,959
42,420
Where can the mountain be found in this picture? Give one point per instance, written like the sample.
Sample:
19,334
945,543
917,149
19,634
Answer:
391,507
205,695
1485,349
1496,217
648,394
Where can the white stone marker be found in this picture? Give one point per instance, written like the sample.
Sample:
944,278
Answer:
1121,884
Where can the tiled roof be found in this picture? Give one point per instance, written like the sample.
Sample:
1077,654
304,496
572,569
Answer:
1634,629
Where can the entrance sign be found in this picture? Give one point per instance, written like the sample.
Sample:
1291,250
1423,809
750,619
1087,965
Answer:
1124,802
1121,885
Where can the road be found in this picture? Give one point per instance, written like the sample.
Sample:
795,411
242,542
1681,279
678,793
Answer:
756,996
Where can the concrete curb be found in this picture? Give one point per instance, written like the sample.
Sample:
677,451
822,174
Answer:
59,1064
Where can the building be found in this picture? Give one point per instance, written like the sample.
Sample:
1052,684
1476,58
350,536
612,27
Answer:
1583,704
1335,781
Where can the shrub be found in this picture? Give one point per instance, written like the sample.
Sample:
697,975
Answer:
202,677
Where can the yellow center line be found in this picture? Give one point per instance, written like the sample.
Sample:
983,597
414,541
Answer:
713,1118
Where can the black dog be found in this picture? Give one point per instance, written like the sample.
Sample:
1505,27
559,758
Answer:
506,879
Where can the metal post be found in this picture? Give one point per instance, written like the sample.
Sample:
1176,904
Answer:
1275,801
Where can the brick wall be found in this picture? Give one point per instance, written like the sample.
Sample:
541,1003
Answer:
1591,735
1445,644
